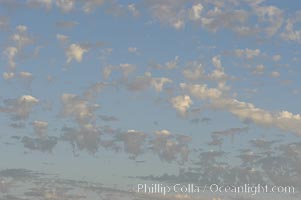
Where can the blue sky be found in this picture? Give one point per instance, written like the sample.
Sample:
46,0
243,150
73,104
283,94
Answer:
120,92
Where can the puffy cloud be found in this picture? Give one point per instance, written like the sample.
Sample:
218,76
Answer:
158,83
259,69
290,33
65,5
275,74
284,120
170,147
143,82
132,49
8,75
40,127
276,58
43,3
75,52
11,53
62,38
40,144
194,71
168,12
195,12
133,141
172,64
125,68
19,108
181,104
66,24
248,53
217,19
21,37
202,91
78,109
90,5
271,15
133,9
217,62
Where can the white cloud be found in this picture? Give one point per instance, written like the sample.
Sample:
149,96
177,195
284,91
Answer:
132,49
8,75
158,83
201,91
133,141
143,82
62,38
65,5
284,120
125,68
217,62
271,15
259,69
40,127
181,104
276,58
195,12
275,74
90,5
178,24
75,52
43,3
11,53
248,53
194,71
79,109
19,108
172,64
133,9
290,33
26,75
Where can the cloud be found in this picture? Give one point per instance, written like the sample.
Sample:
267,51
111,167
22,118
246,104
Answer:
290,33
75,52
133,9
65,5
194,71
195,12
168,12
181,104
90,5
284,120
8,75
247,53
143,82
172,64
271,15
132,49
259,69
11,53
81,110
275,74
201,91
66,24
40,128
19,108
87,137
40,144
125,68
40,3
62,38
170,147
133,141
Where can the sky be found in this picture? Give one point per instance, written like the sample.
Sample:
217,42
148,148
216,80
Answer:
98,96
